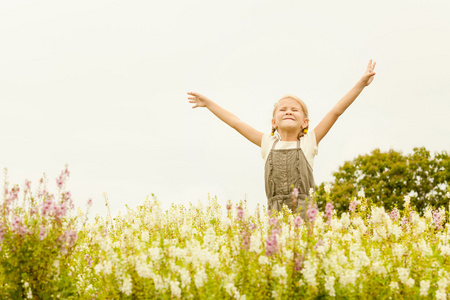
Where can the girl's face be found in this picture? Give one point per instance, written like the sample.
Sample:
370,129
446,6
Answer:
289,116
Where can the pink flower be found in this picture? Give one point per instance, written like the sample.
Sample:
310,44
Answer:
62,178
89,260
48,207
352,206
295,192
27,185
329,211
89,203
2,234
22,230
312,212
60,181
67,239
319,243
394,214
405,221
12,195
60,210
299,264
18,227
66,196
298,222
42,233
16,223
437,219
271,244
245,239
273,221
240,213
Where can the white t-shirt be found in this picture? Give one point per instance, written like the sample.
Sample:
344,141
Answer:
308,145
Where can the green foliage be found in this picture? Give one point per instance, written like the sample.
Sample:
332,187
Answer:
37,241
387,177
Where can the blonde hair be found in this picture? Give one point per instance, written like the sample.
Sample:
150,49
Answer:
303,106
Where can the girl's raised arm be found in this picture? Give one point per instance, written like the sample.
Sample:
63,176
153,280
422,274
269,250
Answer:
328,121
246,130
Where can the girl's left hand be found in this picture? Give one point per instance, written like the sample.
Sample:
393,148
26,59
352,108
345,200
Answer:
367,78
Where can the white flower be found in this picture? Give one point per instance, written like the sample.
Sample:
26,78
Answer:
398,250
424,286
442,283
227,222
396,231
406,199
361,193
232,291
349,277
143,269
263,260
154,253
127,286
29,294
342,258
200,277
309,272
445,250
255,244
403,275
421,227
230,288
327,188
345,220
144,236
175,289
185,277
394,285
135,227
378,268
441,295
279,271
329,285
424,247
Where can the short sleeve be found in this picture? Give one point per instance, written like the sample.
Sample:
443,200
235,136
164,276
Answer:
313,143
309,146
266,144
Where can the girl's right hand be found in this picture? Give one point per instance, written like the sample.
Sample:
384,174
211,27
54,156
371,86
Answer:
198,100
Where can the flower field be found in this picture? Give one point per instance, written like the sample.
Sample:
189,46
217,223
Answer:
204,251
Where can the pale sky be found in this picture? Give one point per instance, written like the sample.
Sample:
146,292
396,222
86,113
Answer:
101,86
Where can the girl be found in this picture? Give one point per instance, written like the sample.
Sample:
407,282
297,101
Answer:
288,157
